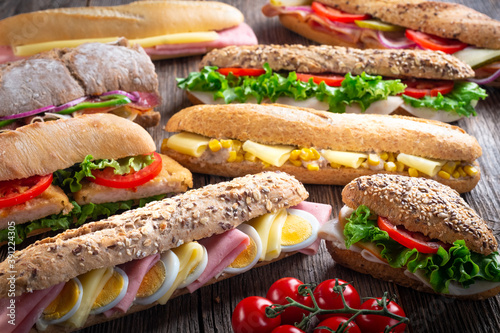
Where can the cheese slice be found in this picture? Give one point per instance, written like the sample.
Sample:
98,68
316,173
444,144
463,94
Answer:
274,240
349,159
31,49
262,225
188,143
424,165
275,155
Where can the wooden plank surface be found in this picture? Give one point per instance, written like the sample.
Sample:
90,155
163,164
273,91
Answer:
209,309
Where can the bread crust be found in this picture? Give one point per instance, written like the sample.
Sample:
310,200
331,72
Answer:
422,205
47,147
280,124
136,20
155,228
448,20
337,59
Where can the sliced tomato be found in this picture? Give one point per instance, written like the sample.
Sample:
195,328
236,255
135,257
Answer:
435,43
330,80
15,192
335,14
242,71
107,176
411,240
421,88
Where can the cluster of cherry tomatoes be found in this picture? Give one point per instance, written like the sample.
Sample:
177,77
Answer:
250,314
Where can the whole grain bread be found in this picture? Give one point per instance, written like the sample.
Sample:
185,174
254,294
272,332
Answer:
155,228
336,59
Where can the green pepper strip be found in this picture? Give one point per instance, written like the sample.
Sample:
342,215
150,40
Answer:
6,122
115,100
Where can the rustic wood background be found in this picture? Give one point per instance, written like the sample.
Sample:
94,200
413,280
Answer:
209,309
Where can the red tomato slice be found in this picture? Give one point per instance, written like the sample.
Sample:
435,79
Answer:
15,192
242,71
335,14
421,88
408,239
330,80
435,43
107,177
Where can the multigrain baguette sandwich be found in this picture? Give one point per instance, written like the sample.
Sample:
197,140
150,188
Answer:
418,83
448,27
417,233
319,147
157,252
166,29
92,78
57,174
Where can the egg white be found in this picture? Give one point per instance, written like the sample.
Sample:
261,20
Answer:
118,298
253,234
314,231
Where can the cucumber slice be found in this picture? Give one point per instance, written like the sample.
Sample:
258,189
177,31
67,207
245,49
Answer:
378,25
476,58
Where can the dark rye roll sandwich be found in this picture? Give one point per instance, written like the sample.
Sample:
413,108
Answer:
418,83
145,257
58,174
392,24
319,147
92,78
417,233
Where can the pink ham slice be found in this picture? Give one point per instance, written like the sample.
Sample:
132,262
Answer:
7,55
222,249
322,212
136,270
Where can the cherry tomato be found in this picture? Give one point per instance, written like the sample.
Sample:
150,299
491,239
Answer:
335,14
411,240
421,88
376,323
107,177
15,192
327,298
242,71
334,323
435,43
288,287
287,329
330,80
249,316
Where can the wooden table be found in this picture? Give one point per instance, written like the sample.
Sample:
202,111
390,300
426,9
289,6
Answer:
209,309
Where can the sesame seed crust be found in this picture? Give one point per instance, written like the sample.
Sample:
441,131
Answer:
422,205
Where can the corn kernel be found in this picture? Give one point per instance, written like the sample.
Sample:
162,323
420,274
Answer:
449,167
214,145
444,174
225,143
373,159
456,174
294,155
413,172
384,156
297,163
305,154
470,170
312,167
232,156
462,172
391,158
250,157
390,166
400,167
239,157
315,154
335,165
236,144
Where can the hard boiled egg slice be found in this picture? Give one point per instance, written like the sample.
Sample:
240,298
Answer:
64,305
299,231
113,292
196,271
159,279
250,256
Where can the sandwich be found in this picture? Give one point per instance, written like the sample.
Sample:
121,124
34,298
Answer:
165,29
145,257
92,78
58,174
319,147
417,233
408,82
448,27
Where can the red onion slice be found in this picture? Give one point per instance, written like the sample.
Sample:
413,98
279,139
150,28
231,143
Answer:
69,104
306,9
29,113
131,96
401,43
488,79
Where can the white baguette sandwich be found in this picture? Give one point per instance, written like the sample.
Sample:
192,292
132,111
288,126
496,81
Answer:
165,29
319,147
418,83
448,27
145,257
57,174
417,233
92,78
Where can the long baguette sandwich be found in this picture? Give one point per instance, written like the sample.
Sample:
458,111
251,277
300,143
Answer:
448,27
57,174
166,29
145,257
92,78
408,82
417,233
319,147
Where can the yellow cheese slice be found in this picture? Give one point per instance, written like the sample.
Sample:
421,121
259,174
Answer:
348,159
424,165
188,143
275,155
31,49
274,241
262,225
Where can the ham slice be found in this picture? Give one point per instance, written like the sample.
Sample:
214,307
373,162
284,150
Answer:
7,55
136,270
321,212
222,249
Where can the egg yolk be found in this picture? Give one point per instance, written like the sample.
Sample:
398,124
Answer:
295,230
63,303
246,257
111,290
152,280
